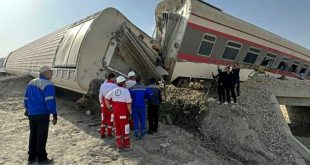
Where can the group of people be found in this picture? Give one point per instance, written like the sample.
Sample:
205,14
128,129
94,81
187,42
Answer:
121,101
123,105
228,83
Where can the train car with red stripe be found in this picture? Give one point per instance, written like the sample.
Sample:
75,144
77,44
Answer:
195,37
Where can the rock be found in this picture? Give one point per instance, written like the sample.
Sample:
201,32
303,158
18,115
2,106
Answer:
88,112
164,145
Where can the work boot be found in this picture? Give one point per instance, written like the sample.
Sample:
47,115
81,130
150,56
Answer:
102,136
32,161
127,149
46,161
119,149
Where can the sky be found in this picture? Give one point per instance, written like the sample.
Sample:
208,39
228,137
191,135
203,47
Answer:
23,21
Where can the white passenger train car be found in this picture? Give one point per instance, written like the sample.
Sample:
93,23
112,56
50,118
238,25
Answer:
88,49
195,37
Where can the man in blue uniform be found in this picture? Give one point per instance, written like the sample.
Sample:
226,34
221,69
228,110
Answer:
153,106
40,102
138,94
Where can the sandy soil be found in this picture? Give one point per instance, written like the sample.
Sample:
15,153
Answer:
232,134
75,141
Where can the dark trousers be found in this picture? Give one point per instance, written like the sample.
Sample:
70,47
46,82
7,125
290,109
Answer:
230,89
153,117
221,93
238,88
38,137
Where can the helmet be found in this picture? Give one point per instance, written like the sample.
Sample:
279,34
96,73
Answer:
131,73
120,79
44,69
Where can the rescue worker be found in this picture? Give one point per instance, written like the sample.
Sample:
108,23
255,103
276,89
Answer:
106,115
132,80
119,98
40,102
130,83
220,84
153,106
229,83
236,71
139,94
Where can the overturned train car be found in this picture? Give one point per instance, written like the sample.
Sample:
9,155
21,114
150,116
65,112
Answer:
195,37
88,49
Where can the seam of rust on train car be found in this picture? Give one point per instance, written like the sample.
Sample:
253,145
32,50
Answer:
248,34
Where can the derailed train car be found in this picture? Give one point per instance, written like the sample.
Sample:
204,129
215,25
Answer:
195,37
88,49
192,38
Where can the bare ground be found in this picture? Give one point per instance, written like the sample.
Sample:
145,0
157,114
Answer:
74,140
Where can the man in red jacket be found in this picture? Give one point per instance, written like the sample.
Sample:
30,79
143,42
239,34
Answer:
121,103
106,115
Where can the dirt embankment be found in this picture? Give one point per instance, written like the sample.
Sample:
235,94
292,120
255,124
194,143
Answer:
248,133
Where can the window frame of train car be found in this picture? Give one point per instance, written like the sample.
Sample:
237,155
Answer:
270,66
295,63
303,68
252,52
208,41
229,46
308,69
285,60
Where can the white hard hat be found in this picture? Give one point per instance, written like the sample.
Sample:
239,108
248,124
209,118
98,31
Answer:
120,79
131,73
44,69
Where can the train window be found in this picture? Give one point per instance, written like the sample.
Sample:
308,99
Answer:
206,45
294,66
252,55
303,70
231,51
283,65
268,60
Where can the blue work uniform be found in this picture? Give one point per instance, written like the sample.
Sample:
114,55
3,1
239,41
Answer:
39,102
40,97
138,94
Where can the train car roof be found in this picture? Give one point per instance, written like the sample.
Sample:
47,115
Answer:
205,9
